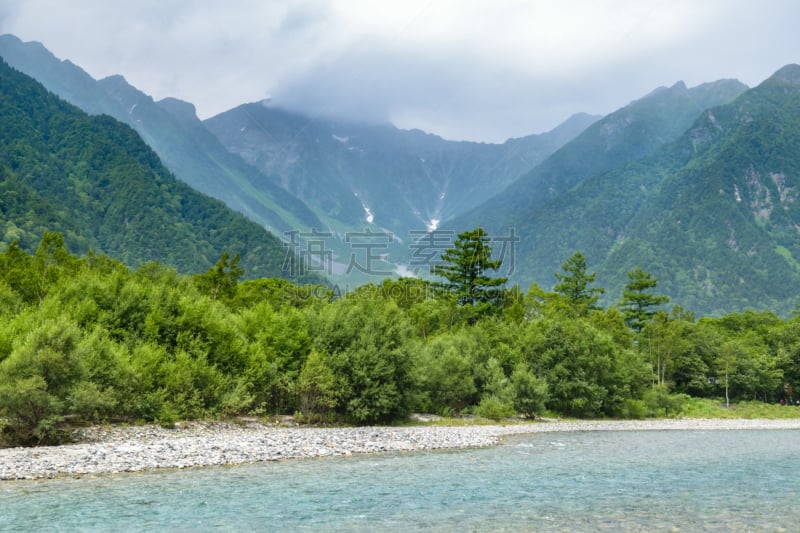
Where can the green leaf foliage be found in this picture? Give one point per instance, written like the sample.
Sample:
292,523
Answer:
86,340
366,342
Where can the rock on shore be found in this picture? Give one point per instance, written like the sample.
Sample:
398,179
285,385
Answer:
128,449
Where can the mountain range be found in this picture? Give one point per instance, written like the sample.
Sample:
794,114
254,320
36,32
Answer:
376,174
698,185
290,173
93,179
711,214
171,128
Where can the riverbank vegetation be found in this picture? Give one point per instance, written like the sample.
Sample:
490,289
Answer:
86,339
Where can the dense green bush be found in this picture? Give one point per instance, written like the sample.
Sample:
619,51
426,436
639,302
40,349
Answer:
494,408
659,402
86,340
367,348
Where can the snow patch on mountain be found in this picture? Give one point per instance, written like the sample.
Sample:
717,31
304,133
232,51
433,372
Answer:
367,211
404,272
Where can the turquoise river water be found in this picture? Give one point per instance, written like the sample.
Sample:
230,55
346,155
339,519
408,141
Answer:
584,481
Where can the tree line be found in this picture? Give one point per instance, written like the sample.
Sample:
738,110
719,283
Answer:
86,339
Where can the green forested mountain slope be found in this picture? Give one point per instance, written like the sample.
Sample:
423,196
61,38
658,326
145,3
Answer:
94,180
290,172
712,215
625,135
172,129
722,233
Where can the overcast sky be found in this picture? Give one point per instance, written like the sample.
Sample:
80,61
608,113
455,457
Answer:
475,70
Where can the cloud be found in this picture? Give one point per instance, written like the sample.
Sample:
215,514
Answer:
487,71
462,69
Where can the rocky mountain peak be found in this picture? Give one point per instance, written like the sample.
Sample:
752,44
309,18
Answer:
179,108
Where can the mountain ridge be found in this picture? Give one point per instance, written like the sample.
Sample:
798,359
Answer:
787,74
189,151
712,214
93,179
365,193
335,165
624,135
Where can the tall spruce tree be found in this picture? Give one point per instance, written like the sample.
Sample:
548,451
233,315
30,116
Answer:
574,283
638,304
465,270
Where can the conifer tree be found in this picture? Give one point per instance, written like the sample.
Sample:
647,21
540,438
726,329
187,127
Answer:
574,283
638,304
465,269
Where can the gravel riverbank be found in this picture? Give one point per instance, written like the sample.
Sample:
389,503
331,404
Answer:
103,450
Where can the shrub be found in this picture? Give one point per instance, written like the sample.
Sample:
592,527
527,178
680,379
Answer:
494,408
634,409
660,402
530,392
